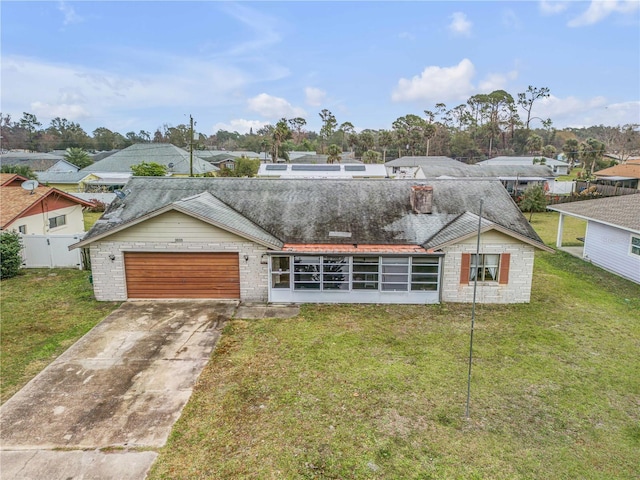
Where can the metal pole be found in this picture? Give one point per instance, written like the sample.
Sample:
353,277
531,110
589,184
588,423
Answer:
473,310
191,146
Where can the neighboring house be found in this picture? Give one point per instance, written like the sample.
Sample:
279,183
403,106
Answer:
422,167
330,241
225,158
38,162
558,167
612,239
336,170
43,210
177,161
623,175
71,182
515,178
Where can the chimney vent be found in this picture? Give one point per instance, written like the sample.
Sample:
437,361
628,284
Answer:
421,198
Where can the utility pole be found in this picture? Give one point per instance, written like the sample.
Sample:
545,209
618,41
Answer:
191,146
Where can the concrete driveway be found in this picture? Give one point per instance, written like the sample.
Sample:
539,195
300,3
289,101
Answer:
116,392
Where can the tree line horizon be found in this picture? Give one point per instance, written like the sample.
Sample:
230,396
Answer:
485,126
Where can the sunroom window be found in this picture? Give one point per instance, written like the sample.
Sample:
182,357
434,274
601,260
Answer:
395,274
280,272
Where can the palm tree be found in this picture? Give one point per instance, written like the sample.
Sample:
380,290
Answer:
78,157
281,133
334,152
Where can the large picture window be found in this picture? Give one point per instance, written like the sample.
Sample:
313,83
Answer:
365,273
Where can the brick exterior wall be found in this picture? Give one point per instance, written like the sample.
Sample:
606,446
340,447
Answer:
109,283
518,290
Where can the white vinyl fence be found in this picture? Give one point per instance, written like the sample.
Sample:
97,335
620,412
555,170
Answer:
561,188
51,251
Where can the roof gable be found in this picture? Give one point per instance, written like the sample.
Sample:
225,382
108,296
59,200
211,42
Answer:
18,202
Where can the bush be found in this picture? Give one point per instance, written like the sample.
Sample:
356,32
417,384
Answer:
10,258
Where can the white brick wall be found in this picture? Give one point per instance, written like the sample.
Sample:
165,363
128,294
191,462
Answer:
518,290
109,283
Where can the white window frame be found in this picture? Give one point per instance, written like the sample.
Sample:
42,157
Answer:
484,267
22,229
634,245
59,220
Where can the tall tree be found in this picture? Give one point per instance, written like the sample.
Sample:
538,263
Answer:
329,124
345,129
591,151
534,144
296,125
410,131
385,141
571,149
528,98
281,133
29,122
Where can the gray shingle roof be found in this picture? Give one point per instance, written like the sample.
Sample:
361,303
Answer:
506,160
208,207
622,211
37,162
462,226
162,153
422,161
61,177
305,211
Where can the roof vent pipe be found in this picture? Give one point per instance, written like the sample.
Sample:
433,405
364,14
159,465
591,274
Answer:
421,198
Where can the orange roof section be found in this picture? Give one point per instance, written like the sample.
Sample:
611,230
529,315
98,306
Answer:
336,248
622,170
14,201
12,179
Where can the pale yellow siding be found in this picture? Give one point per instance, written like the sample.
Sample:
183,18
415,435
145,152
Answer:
491,237
172,226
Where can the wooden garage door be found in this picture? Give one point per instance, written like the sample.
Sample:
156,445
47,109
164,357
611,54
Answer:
182,275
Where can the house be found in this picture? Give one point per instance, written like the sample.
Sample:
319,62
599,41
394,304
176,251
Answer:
515,178
624,175
225,158
558,167
177,161
303,240
70,182
612,239
323,170
38,162
39,210
421,166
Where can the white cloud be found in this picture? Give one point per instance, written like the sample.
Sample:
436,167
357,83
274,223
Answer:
497,81
78,92
314,96
437,84
239,125
263,28
460,25
511,20
70,15
274,107
600,9
549,7
577,112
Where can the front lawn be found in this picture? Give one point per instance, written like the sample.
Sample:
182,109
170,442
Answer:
42,313
365,392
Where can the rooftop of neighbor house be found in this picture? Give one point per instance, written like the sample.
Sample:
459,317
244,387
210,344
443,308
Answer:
621,211
175,159
16,200
305,211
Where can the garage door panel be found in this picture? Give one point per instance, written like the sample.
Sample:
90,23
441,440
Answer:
182,275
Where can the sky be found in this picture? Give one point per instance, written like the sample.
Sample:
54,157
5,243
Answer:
131,66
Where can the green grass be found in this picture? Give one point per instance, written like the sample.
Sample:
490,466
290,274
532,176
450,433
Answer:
366,392
90,218
546,224
42,313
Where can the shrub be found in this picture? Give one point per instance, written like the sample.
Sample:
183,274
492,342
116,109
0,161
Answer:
10,258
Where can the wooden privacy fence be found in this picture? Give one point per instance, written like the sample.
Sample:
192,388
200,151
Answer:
595,191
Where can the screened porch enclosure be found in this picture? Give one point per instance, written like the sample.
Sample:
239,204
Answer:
355,279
